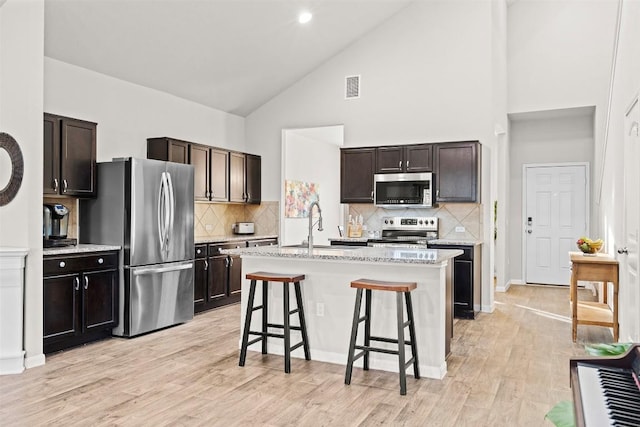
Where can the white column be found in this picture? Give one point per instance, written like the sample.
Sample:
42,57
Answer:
11,309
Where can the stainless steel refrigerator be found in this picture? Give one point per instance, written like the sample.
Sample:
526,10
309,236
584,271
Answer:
146,207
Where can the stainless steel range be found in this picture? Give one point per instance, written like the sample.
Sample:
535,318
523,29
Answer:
406,232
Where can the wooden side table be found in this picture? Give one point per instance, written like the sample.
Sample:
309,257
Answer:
598,268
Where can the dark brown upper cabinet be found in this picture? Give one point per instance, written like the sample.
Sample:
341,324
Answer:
219,175
404,158
168,149
237,177
254,179
357,166
457,170
69,156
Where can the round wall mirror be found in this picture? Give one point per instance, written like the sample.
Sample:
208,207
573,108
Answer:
11,168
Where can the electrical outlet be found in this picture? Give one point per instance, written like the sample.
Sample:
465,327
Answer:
460,229
320,309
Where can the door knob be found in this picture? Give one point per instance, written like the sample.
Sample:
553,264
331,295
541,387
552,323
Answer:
623,251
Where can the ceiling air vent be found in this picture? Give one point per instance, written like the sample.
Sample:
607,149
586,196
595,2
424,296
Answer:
352,87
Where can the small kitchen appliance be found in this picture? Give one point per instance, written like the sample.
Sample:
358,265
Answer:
403,190
55,226
243,228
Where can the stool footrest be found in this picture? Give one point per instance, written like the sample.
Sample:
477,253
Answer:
259,307
253,341
273,325
389,340
293,347
409,363
294,311
376,349
265,334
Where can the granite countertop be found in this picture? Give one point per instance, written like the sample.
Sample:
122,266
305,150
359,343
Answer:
363,254
79,249
348,239
455,242
233,238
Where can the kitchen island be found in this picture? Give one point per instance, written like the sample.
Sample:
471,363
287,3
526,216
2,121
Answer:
329,300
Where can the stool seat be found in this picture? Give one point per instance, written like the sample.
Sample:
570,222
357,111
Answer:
383,285
275,277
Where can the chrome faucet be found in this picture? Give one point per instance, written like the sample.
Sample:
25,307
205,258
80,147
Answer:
311,223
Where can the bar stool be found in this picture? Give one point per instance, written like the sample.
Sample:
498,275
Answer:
399,288
285,279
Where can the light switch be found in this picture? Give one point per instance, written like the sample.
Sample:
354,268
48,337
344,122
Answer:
460,229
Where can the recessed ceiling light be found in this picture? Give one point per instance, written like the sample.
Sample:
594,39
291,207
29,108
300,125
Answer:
304,17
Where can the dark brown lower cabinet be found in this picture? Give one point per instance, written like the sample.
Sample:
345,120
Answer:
218,277
80,299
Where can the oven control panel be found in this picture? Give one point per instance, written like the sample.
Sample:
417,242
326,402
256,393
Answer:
410,223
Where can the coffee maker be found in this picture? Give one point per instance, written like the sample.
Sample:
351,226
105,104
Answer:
55,225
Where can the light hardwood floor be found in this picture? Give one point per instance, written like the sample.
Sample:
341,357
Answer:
507,368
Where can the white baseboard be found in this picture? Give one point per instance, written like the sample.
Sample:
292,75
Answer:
34,361
488,308
12,364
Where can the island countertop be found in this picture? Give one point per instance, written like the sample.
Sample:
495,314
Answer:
358,254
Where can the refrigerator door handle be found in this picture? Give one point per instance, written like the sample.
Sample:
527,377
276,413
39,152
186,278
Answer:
153,270
161,213
172,209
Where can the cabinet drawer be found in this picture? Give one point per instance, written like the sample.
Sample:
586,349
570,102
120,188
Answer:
201,251
214,249
81,263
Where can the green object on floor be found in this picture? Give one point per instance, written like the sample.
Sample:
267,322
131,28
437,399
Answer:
615,349
561,415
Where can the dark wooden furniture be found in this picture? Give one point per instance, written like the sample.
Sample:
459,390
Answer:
594,268
286,327
80,299
69,156
404,158
401,289
219,175
357,166
457,170
614,387
217,276
467,279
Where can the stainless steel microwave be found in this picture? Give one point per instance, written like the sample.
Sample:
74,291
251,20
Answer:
395,190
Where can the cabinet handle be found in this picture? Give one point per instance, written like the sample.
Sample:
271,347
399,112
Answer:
55,184
77,282
100,261
248,196
64,186
226,262
198,251
372,195
230,262
206,265
86,282
400,164
407,164
62,264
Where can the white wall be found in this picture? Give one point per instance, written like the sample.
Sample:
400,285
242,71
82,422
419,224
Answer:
426,76
127,114
21,79
626,86
308,154
544,140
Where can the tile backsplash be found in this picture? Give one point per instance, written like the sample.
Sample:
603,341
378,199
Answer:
452,215
216,219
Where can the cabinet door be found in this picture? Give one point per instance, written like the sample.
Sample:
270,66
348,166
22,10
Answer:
254,179
78,158
463,288
218,275
60,303
219,175
51,176
200,283
168,150
389,159
235,274
237,176
418,158
357,166
199,158
178,152
457,171
100,290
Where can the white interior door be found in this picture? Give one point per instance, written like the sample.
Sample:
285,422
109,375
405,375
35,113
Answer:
629,296
555,216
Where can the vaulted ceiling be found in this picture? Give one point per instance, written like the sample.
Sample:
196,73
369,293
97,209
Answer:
232,55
